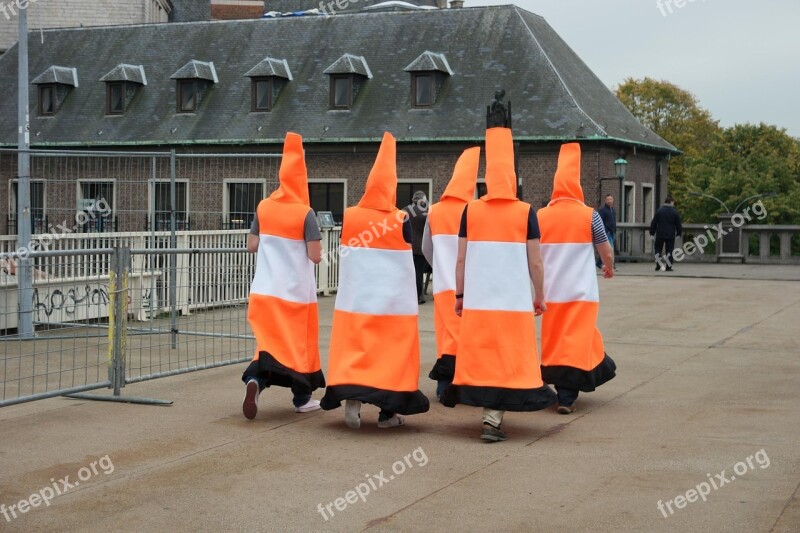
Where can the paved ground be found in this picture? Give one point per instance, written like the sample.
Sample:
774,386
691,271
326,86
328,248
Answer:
708,388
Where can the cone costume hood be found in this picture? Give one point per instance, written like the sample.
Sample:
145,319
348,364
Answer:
282,308
573,355
374,353
444,219
497,365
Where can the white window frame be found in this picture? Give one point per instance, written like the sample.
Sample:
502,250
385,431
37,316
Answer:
79,194
632,185
648,243
333,180
12,204
151,196
226,194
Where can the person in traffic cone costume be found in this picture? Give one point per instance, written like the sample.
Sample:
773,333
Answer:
374,352
282,306
440,246
573,356
497,367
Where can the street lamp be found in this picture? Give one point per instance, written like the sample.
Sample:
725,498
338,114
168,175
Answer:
621,167
763,195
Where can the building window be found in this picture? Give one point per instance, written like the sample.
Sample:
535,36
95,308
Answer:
423,89
480,189
406,190
96,207
328,196
38,208
341,91
262,94
115,98
160,212
241,201
47,99
187,96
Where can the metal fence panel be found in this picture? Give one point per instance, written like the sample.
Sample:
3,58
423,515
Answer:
165,231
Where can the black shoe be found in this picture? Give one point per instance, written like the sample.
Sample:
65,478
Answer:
421,300
493,434
658,267
669,269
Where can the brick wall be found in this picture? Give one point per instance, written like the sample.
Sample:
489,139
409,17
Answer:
236,9
73,13
207,177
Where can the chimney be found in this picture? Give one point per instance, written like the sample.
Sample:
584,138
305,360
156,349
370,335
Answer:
456,4
441,4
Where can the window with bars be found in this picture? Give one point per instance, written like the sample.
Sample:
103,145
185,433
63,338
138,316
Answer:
241,201
160,211
96,212
328,196
38,207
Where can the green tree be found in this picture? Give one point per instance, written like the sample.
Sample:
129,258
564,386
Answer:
731,163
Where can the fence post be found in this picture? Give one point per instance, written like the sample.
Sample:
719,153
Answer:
173,259
324,264
118,315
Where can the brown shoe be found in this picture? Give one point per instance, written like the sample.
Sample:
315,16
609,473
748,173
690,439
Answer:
250,403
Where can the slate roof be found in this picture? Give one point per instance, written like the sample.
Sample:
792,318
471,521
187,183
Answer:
554,95
270,66
429,61
350,64
55,74
123,72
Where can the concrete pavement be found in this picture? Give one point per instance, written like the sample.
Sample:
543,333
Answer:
708,385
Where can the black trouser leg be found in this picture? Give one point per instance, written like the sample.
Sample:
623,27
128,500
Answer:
670,244
419,271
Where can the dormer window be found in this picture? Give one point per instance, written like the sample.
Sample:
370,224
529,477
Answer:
121,85
267,80
347,75
428,74
47,99
54,85
193,81
341,91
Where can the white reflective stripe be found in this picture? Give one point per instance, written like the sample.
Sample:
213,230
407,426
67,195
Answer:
497,277
376,282
284,270
445,252
569,273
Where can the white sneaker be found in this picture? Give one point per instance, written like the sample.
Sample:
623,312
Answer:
250,403
352,413
310,405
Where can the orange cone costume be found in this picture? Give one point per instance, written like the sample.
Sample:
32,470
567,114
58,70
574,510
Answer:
572,347
374,353
444,219
282,306
497,365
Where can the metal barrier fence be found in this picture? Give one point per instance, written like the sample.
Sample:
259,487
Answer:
165,230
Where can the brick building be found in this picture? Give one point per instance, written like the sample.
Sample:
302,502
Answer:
340,81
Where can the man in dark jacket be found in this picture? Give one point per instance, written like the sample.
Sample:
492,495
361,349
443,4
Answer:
418,214
609,217
666,225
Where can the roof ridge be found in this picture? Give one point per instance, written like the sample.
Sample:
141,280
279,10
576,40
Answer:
557,73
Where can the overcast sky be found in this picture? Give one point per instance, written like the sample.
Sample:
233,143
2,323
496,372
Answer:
740,58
